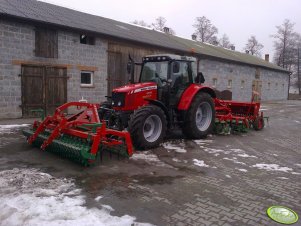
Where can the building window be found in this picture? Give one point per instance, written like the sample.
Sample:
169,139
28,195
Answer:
230,84
86,39
214,82
257,73
242,84
46,43
86,78
276,85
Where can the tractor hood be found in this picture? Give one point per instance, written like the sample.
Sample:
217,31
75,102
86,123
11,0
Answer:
135,88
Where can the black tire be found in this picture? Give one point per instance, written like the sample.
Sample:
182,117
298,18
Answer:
258,123
190,127
137,126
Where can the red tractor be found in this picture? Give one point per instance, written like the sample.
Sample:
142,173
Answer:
169,94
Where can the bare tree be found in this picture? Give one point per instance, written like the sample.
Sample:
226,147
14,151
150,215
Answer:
225,42
141,23
286,45
253,46
160,24
205,30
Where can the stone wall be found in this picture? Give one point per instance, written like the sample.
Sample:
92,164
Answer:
17,45
223,72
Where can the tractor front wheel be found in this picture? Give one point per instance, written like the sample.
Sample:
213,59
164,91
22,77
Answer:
200,117
147,127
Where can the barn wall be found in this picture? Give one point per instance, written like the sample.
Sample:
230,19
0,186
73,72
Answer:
17,45
227,71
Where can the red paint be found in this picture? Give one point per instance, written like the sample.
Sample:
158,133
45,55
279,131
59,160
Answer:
189,94
136,95
59,124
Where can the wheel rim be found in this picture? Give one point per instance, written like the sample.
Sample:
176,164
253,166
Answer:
203,116
152,128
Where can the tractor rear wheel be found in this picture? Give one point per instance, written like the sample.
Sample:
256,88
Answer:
200,117
147,127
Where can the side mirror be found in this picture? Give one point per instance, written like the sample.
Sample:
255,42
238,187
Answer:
200,78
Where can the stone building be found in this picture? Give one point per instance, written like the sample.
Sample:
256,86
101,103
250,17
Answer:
50,55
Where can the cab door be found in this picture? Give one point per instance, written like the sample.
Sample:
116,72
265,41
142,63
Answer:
181,76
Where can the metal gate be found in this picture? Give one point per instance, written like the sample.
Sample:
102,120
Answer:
43,87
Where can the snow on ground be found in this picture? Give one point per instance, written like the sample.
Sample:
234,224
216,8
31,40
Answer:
31,197
148,157
272,167
175,147
200,163
235,160
10,128
242,170
283,178
228,176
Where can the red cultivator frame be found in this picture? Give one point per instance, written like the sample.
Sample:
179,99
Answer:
80,136
237,116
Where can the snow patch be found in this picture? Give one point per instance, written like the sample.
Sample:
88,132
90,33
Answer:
174,147
148,157
228,176
244,155
297,121
202,142
295,173
235,161
200,163
283,178
98,198
30,197
243,170
10,128
272,167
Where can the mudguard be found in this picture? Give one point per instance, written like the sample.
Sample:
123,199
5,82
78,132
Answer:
190,93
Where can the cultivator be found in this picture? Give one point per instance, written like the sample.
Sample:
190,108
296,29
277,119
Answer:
233,116
81,137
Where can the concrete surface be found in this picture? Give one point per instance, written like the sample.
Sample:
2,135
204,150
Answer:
222,180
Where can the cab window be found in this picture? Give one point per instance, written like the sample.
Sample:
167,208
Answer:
180,74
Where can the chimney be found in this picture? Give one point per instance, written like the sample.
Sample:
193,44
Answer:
232,47
193,37
166,30
267,57
247,51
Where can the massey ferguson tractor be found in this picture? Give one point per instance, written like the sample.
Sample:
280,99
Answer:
168,95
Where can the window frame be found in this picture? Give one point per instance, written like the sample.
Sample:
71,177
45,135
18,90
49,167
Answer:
214,82
92,79
230,84
242,84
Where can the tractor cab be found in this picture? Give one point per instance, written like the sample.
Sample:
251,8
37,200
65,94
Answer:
172,74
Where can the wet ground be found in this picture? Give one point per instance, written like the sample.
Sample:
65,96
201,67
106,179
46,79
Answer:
222,180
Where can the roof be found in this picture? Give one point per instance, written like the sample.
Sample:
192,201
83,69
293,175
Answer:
33,10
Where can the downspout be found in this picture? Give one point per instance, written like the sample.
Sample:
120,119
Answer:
289,84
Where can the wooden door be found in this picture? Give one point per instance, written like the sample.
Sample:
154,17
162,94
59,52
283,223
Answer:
42,88
55,88
256,87
115,75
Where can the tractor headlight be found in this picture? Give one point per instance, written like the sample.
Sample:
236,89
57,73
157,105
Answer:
119,103
113,103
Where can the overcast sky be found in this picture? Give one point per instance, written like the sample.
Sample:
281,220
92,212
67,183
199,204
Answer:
239,19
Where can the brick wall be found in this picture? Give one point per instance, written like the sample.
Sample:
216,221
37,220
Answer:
228,71
17,44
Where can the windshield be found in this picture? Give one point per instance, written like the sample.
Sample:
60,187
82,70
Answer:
154,72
